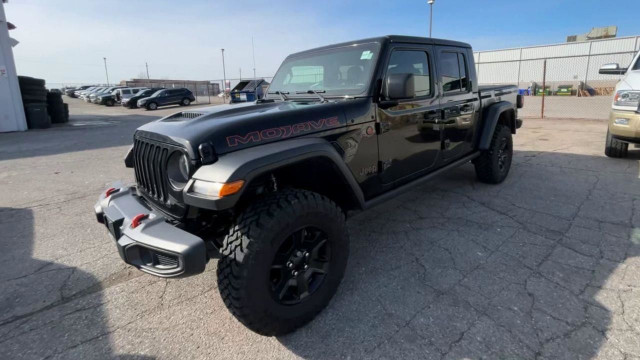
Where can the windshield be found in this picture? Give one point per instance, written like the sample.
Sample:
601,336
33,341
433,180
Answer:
339,71
157,93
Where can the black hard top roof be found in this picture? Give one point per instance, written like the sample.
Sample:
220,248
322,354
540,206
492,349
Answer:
392,39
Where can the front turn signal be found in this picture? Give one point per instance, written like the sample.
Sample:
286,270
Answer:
216,189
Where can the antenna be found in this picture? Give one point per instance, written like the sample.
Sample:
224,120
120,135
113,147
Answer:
253,51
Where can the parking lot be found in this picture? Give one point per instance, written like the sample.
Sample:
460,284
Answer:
545,265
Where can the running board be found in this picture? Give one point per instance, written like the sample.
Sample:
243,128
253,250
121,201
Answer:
403,188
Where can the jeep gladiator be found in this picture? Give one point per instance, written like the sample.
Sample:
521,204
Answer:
266,187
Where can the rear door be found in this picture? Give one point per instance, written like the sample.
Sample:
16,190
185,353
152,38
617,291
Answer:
409,133
459,104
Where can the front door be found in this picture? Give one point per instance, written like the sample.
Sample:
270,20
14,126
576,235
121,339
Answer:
409,134
459,104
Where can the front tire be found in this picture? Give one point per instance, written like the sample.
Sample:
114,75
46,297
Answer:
185,102
493,164
283,261
152,106
615,148
110,103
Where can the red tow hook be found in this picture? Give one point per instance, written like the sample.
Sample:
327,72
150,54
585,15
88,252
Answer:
110,191
137,220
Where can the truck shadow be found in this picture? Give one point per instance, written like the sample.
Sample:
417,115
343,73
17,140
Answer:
41,316
539,266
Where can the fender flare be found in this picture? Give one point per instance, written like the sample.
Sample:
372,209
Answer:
491,116
250,163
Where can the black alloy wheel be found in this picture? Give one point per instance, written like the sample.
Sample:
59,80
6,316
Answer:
300,266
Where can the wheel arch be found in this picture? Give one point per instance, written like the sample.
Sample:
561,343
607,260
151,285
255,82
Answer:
503,113
312,164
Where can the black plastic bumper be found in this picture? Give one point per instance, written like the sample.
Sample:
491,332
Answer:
154,246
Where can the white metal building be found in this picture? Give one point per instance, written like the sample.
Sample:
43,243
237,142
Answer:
567,63
11,111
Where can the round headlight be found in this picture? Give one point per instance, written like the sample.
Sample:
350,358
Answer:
178,170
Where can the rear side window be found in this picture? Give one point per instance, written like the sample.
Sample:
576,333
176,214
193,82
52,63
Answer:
453,69
412,62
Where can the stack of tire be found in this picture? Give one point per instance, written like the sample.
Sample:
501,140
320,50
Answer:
58,110
42,108
34,98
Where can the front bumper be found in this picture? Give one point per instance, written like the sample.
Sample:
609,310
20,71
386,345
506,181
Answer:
630,130
154,246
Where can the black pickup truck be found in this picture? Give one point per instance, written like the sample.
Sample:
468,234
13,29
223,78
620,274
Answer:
266,187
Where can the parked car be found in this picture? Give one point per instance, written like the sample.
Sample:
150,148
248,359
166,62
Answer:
265,187
71,92
85,94
624,119
127,92
94,97
108,99
80,93
180,96
132,102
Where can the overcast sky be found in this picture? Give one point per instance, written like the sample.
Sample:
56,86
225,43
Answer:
64,41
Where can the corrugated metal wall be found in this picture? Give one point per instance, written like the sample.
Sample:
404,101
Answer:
569,62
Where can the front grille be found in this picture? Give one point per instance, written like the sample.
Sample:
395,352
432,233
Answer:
150,168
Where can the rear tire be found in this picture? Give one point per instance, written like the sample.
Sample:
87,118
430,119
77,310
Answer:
268,274
615,148
493,164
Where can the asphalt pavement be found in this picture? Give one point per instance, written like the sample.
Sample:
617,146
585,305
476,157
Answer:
545,265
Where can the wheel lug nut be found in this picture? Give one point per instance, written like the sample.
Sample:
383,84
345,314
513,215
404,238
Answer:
306,254
294,273
306,266
290,265
299,253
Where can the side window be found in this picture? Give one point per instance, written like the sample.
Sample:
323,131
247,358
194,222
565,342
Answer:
453,67
412,62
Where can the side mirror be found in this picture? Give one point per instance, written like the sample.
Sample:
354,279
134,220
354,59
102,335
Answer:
400,86
612,69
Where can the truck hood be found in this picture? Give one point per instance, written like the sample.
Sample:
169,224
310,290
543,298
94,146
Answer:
238,126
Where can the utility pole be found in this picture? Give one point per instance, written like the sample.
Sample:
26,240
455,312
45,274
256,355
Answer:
224,79
253,51
240,74
105,69
430,15
147,66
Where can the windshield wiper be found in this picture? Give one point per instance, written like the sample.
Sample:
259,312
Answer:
314,92
281,93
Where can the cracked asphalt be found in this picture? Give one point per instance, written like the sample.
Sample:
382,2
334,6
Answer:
545,265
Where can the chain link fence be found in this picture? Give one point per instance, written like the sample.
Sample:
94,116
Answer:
560,81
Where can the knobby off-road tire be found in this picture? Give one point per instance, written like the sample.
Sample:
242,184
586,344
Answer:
615,148
493,164
246,271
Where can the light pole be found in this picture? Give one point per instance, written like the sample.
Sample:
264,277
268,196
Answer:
147,66
224,79
430,15
105,69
